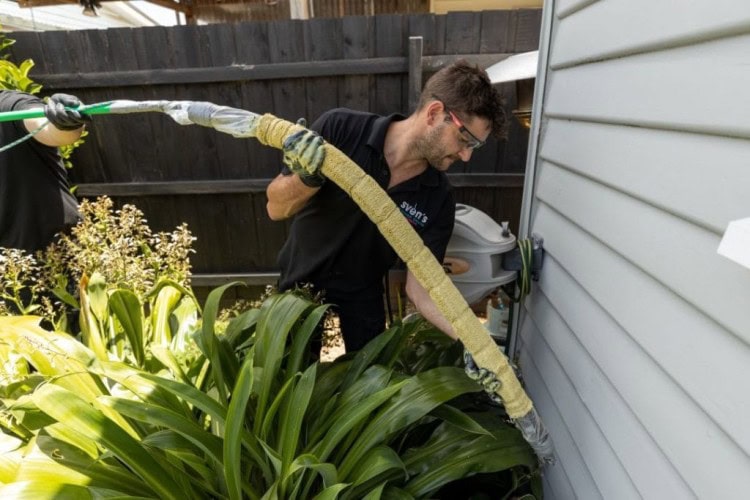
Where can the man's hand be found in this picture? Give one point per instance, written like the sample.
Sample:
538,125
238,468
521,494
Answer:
62,118
304,154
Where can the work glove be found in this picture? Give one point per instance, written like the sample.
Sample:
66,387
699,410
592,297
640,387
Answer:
484,377
530,425
304,154
62,118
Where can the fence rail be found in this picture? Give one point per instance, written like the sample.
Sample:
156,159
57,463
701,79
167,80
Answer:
291,69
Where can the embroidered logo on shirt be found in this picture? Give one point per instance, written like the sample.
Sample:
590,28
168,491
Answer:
413,214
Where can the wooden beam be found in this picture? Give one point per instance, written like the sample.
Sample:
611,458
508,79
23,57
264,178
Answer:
249,186
415,71
174,5
257,186
217,279
254,72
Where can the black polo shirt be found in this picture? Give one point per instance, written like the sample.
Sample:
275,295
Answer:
35,198
332,243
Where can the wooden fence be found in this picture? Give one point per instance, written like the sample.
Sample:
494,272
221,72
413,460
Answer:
292,69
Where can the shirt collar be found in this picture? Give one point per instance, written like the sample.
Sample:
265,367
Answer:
376,140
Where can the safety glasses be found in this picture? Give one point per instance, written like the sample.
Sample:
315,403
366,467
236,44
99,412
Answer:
472,141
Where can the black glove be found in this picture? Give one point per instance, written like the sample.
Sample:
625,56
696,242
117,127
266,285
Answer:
62,118
304,155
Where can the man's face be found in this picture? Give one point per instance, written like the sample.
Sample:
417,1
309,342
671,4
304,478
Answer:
453,139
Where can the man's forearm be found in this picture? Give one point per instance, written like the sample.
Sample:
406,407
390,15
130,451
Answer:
287,194
426,307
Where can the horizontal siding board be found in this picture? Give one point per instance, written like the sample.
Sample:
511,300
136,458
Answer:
611,478
564,8
677,253
573,467
622,27
671,170
557,297
701,88
670,336
641,163
556,485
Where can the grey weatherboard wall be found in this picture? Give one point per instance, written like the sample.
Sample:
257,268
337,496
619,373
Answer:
635,342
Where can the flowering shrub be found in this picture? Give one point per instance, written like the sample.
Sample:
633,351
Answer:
118,245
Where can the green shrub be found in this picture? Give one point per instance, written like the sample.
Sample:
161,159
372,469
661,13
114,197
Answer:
253,417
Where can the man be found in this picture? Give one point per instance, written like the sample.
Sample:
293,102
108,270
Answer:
35,198
332,243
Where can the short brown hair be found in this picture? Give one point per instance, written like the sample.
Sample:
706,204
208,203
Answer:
466,89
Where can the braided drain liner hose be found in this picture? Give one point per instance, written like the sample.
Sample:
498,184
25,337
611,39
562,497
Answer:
376,204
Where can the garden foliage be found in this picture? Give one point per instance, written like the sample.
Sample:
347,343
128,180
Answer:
158,398
115,383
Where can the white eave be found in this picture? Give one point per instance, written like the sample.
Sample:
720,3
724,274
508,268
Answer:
70,17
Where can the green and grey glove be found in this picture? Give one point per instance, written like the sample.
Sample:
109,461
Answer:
304,155
486,378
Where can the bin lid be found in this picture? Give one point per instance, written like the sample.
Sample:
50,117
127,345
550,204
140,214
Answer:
476,232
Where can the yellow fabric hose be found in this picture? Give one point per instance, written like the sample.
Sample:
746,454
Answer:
376,204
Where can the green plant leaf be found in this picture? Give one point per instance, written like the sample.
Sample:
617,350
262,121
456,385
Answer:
26,413
379,460
165,357
239,325
42,490
91,328
267,429
216,411
351,416
327,471
58,356
58,462
301,339
11,454
366,356
166,301
331,493
420,394
290,423
184,451
63,433
209,340
69,409
127,308
372,380
277,317
459,419
376,493
97,293
475,457
329,380
190,394
156,415
234,425
453,453
133,380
